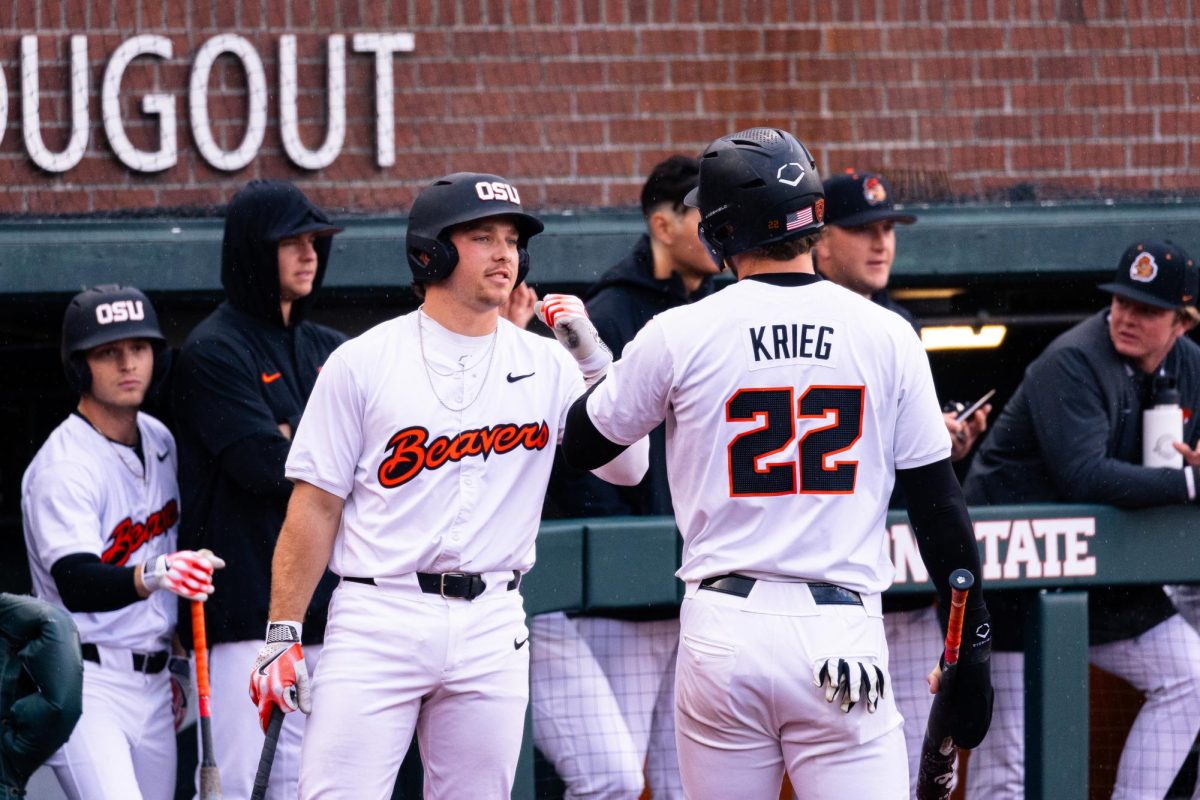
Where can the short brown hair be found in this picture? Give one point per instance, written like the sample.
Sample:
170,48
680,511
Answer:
786,251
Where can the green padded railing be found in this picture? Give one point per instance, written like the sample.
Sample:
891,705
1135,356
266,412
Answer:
1059,549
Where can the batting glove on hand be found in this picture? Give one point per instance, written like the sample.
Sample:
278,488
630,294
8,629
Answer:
971,692
180,669
187,573
280,677
851,680
566,316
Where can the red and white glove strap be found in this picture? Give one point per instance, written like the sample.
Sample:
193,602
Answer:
280,677
566,315
186,573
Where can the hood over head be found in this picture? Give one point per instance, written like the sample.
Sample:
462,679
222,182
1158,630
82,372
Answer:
261,214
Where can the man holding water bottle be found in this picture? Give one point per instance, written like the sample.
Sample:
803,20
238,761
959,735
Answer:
1073,433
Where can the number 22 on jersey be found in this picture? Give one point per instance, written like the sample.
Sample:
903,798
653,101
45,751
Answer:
777,411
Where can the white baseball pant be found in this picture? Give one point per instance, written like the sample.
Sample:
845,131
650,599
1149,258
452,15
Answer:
639,659
238,737
396,659
1163,663
123,747
915,642
746,708
597,685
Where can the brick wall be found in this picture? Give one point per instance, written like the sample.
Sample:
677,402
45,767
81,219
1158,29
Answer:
576,99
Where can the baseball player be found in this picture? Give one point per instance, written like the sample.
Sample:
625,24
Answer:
419,469
856,251
789,403
239,388
100,507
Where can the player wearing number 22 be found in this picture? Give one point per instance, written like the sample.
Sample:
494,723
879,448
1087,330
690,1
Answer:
100,507
420,467
791,405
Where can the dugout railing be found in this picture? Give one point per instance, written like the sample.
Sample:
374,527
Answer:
1059,550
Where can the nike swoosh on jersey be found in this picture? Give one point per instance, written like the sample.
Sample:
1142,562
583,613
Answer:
162,456
514,378
518,645
274,376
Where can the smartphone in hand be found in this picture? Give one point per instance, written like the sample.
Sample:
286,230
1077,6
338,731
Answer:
971,409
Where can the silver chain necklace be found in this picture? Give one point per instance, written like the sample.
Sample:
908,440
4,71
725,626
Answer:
144,475
430,370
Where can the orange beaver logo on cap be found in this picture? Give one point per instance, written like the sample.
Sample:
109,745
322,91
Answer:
874,191
1144,268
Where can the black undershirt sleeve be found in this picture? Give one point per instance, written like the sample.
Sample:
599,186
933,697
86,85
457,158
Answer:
584,447
942,526
87,584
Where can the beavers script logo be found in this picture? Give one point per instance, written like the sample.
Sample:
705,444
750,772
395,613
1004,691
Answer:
413,451
128,536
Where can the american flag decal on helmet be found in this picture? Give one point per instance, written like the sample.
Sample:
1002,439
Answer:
798,219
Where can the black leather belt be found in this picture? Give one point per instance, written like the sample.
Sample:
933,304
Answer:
149,663
459,585
823,594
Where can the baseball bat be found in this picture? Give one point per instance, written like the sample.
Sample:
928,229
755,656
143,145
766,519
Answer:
263,777
210,778
935,775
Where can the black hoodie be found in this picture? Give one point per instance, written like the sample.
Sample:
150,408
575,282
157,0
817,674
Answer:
239,375
620,304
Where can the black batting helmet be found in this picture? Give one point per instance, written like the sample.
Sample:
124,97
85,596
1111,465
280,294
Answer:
453,200
757,187
101,315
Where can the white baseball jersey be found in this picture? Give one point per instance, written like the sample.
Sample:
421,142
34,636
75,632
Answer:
788,408
84,493
440,444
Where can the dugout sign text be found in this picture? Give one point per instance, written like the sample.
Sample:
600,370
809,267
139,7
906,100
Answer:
161,106
1012,549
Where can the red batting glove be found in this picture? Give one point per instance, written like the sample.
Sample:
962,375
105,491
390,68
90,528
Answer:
567,317
280,677
186,573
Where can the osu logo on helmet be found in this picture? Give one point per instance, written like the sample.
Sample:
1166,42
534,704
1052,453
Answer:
495,190
1144,268
120,311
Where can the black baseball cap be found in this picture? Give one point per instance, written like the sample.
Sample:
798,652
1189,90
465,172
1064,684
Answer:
1159,274
860,198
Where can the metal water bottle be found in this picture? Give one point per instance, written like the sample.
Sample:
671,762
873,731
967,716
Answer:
1162,425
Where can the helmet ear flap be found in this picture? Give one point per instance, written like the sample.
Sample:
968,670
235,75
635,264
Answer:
78,373
430,259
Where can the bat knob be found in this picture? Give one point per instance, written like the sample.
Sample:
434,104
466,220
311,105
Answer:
961,579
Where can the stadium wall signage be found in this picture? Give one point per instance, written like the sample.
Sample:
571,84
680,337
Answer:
1055,547
383,46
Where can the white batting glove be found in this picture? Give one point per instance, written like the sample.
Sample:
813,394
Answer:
566,316
280,677
851,681
187,573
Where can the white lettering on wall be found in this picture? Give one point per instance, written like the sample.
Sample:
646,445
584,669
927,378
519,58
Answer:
156,105
384,46
256,85
1010,549
335,136
30,100
162,104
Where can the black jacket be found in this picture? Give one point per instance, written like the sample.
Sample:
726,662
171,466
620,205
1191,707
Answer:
1072,433
239,375
620,303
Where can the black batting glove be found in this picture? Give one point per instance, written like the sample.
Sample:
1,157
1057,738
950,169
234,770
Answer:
971,689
